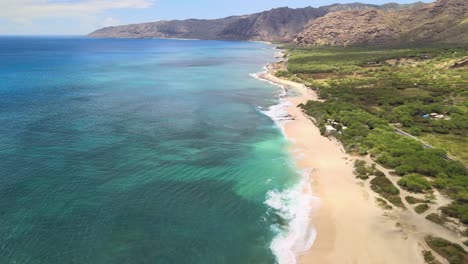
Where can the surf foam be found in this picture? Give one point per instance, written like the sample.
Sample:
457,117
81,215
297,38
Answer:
294,204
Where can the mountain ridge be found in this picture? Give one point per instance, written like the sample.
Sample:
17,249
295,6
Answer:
444,21
276,25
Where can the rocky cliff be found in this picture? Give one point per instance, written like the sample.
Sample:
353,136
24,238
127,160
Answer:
445,21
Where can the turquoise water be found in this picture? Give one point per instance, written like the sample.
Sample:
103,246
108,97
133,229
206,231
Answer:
137,151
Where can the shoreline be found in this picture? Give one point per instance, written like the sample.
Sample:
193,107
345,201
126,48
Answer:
349,226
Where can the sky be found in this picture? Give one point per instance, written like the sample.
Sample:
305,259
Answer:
80,17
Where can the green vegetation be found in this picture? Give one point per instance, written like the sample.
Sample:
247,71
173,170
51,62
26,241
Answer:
454,144
383,204
457,209
429,258
414,183
370,93
414,200
363,171
283,74
454,253
435,218
400,86
385,187
421,208
334,59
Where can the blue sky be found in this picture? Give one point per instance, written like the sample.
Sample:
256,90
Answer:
77,17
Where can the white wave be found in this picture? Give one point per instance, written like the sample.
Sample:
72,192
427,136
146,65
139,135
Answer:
278,112
295,205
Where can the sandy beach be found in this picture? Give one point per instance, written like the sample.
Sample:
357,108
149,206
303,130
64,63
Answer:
350,226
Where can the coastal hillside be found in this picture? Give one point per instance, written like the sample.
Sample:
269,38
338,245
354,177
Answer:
445,21
280,24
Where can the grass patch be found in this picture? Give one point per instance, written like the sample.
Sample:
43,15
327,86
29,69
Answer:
363,171
435,218
383,204
457,209
429,258
385,187
456,145
318,60
421,208
454,253
414,200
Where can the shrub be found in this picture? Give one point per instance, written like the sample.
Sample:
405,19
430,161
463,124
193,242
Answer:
379,173
404,169
435,218
440,183
454,253
458,210
385,187
413,200
382,203
282,73
429,258
421,208
361,170
415,131
414,183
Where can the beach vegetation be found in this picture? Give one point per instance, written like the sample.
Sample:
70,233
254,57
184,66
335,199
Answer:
283,74
384,187
457,209
415,183
437,219
422,208
454,253
383,204
377,93
429,258
379,173
414,200
362,170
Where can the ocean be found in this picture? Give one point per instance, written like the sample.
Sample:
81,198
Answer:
141,151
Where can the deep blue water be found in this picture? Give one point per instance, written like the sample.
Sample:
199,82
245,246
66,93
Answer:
137,151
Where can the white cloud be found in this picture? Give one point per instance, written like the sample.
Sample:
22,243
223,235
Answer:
25,11
110,21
